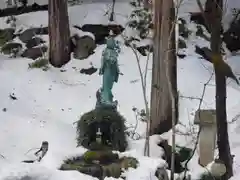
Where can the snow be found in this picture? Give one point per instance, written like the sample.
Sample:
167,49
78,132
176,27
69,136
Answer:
49,102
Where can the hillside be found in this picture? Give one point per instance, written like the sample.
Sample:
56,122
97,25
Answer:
49,102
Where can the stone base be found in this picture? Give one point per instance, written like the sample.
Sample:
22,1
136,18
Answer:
100,164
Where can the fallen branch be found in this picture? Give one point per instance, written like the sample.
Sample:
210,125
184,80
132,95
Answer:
2,156
13,11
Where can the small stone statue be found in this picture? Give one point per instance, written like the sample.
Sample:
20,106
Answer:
110,70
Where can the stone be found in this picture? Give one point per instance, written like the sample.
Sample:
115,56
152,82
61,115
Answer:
34,53
181,56
88,71
11,47
83,46
232,36
183,30
217,168
35,41
206,118
101,31
144,50
200,33
161,174
197,18
28,34
181,44
113,168
205,52
167,156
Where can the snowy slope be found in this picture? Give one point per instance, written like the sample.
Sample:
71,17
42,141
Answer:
49,102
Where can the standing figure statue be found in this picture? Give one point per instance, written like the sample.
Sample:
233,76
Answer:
109,69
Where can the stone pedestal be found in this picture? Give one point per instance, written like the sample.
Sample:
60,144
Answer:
207,140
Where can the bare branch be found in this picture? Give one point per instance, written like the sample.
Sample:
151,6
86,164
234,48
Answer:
198,134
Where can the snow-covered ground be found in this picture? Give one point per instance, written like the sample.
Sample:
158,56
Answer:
49,102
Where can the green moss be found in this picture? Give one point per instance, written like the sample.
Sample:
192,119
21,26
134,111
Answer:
103,157
6,35
40,63
98,169
207,176
11,47
128,162
112,127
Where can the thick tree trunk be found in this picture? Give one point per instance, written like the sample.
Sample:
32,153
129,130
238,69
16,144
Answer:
161,109
221,116
13,11
59,33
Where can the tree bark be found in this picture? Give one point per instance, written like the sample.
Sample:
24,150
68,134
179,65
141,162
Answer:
161,108
13,11
221,116
59,33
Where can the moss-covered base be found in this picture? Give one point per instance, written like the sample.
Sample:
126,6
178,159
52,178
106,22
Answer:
111,125
100,164
208,176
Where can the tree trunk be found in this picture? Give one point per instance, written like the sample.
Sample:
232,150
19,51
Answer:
221,116
59,33
161,108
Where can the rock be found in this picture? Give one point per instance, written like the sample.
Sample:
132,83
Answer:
11,47
201,33
83,46
184,153
35,41
95,168
28,34
167,157
161,174
205,52
181,56
6,35
144,49
232,37
88,71
181,44
34,53
197,18
183,30
101,31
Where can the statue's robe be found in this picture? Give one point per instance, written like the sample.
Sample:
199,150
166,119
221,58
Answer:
109,69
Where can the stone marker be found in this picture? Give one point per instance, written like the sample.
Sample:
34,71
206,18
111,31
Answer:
206,118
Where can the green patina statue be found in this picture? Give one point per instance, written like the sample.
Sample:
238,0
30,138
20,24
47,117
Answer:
110,71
